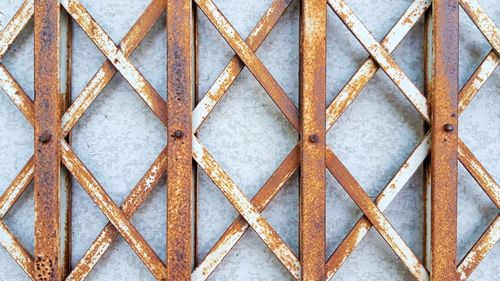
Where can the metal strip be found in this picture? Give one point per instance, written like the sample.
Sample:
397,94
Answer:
112,212
444,149
480,249
109,233
236,65
363,225
180,81
239,226
47,134
241,203
376,217
313,139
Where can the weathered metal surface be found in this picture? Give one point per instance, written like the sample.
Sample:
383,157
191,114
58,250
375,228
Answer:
112,212
247,210
236,65
444,131
380,55
180,82
116,56
107,71
131,204
313,139
369,67
239,226
47,156
363,225
253,63
247,49
374,214
480,249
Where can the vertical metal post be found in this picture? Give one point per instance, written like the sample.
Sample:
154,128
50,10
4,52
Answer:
444,121
66,47
313,145
179,168
47,135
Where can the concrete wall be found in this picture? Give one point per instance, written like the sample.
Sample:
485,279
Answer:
118,138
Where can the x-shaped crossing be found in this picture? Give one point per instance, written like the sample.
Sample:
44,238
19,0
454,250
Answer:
250,210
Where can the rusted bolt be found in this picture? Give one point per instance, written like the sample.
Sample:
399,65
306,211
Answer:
178,134
448,127
313,138
45,137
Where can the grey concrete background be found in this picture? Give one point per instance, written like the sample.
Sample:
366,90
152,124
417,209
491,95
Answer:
118,138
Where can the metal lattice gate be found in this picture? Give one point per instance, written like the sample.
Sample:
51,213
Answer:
182,33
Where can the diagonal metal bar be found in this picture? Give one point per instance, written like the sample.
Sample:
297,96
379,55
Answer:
112,212
254,64
17,251
241,203
480,249
107,71
9,34
483,22
369,67
239,226
130,205
477,80
381,56
119,60
236,65
376,217
386,196
479,173
16,188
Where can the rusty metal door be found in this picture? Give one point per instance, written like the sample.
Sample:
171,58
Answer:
249,140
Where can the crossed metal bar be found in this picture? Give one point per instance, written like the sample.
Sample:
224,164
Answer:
249,210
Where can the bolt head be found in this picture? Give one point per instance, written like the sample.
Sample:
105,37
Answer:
178,134
45,137
313,138
448,127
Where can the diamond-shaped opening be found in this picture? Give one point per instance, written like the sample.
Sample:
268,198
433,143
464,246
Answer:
473,46
248,134
250,260
376,134
376,260
120,256
114,16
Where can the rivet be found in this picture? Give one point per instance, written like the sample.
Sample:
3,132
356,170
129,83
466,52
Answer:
45,137
313,138
448,127
178,134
